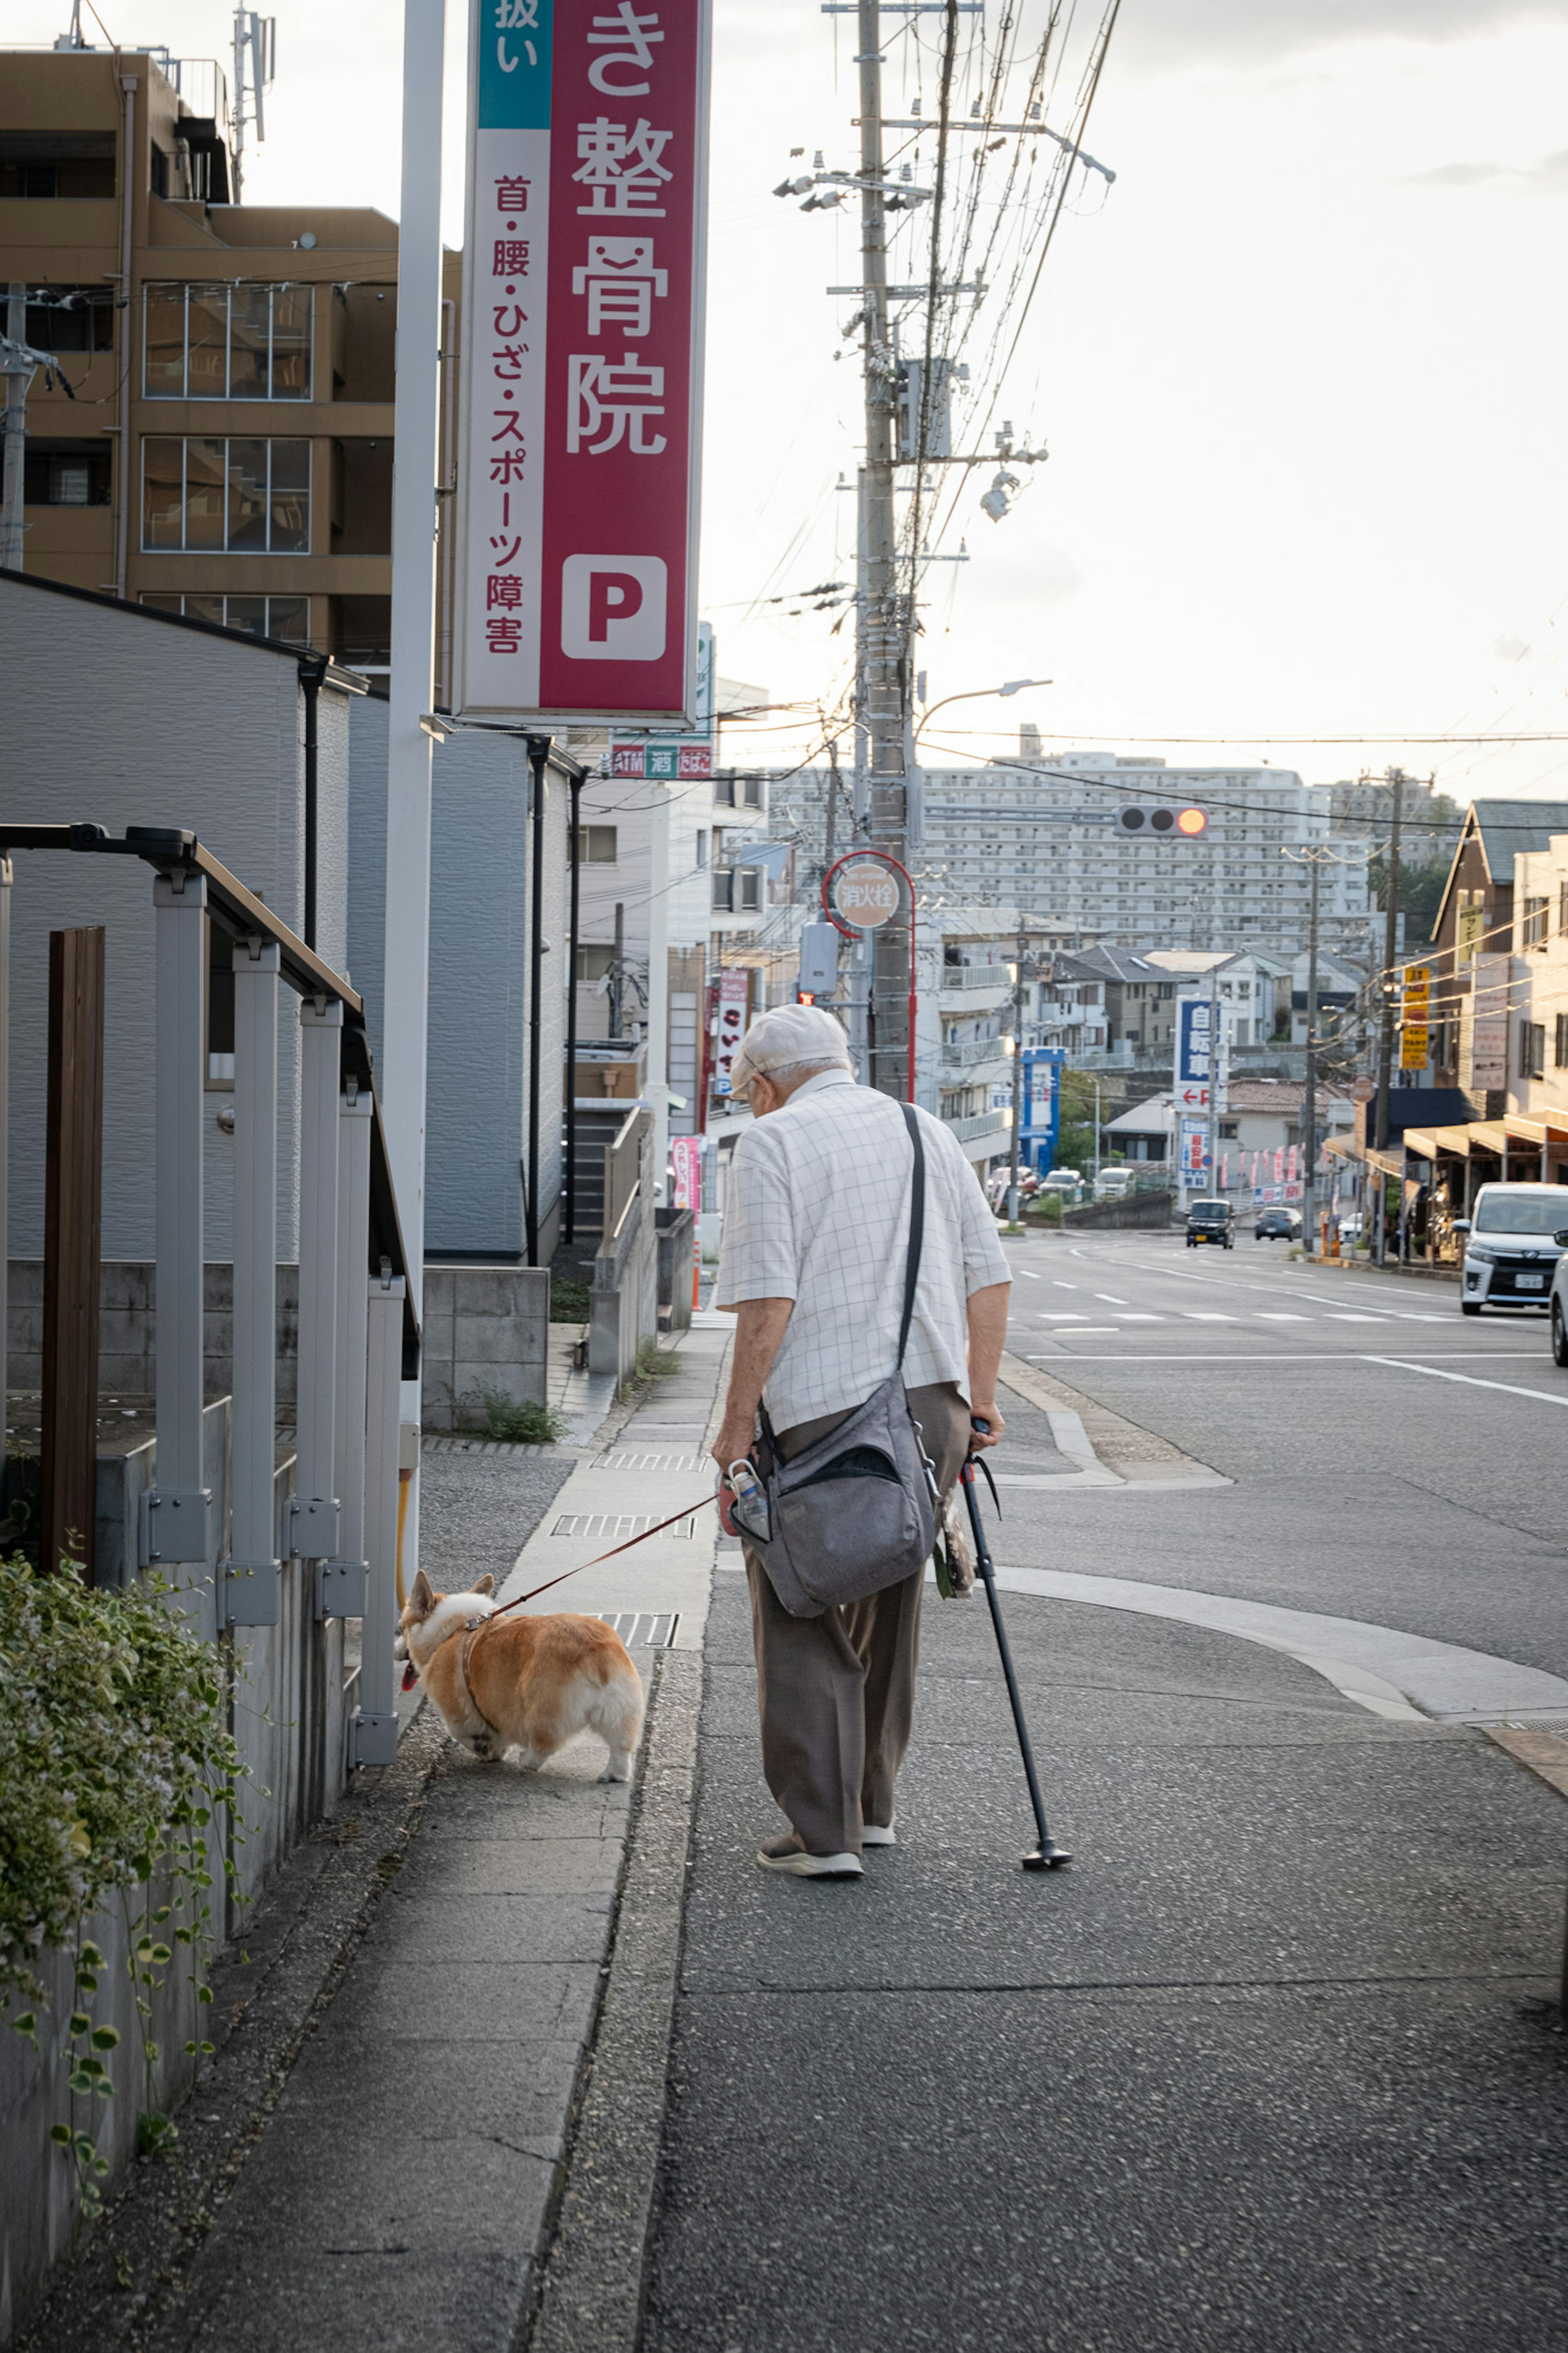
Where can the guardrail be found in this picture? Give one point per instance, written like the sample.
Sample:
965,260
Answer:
979,1122
264,1556
970,1050
976,975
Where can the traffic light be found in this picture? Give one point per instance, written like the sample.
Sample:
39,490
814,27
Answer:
818,962
1164,824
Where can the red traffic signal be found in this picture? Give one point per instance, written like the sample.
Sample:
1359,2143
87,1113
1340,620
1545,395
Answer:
1162,823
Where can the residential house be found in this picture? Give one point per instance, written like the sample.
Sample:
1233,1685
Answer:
1475,942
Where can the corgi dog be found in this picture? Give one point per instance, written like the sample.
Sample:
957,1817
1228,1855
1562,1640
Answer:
530,1684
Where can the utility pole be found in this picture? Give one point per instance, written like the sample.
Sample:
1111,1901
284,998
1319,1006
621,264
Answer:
879,613
1017,1076
18,376
1396,780
1309,1105
1214,1076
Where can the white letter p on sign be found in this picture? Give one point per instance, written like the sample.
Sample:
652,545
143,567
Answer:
613,608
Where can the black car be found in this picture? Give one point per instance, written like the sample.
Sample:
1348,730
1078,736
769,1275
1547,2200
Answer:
1277,1225
1211,1221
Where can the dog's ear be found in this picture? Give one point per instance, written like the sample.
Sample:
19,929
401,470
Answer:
485,1584
421,1600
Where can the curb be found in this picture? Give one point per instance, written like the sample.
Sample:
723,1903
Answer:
591,2293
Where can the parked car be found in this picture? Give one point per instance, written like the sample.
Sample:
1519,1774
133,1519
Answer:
1277,1226
1113,1183
1211,1221
1511,1250
1063,1180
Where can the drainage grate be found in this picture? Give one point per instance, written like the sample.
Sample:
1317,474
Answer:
641,1629
665,1461
614,1527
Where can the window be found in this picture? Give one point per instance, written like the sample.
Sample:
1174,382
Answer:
595,962
66,473
160,173
1563,907
599,845
44,164
1532,1050
1229,1130
285,617
1535,911
751,882
245,497
227,343
70,318
702,850
1560,1056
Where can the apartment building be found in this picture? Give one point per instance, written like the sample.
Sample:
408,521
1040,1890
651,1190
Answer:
223,448
1490,926
1045,832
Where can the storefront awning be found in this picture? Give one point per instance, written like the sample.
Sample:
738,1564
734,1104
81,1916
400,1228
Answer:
1547,1126
1489,1135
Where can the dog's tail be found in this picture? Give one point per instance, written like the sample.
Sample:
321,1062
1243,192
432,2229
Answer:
617,1715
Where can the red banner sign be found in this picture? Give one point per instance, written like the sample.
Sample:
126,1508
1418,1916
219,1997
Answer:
582,363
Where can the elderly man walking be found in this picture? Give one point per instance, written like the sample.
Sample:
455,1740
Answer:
817,1230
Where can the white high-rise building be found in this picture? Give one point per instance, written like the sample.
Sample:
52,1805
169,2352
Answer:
1043,835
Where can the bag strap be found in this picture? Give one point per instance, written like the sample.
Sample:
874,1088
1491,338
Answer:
917,1229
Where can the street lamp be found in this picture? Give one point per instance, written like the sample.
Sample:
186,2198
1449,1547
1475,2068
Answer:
979,694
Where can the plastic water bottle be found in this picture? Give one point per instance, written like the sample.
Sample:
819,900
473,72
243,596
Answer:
748,1501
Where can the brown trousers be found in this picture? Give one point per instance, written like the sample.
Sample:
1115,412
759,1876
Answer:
837,1692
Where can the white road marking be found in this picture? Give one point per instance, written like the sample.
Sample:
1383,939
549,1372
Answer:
1061,1315
1206,1316
1032,1275
1090,1332
1110,1299
1339,1315
1132,1318
1064,1286
1471,1380
1279,1315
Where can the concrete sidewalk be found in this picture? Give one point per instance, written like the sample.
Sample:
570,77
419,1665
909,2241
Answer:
372,2157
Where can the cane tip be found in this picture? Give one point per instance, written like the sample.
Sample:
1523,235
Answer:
1050,1857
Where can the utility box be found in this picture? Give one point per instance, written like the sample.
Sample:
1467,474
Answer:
819,960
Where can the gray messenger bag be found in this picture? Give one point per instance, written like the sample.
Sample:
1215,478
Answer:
856,1509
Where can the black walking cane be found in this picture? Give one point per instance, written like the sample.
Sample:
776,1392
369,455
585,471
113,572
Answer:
1048,1855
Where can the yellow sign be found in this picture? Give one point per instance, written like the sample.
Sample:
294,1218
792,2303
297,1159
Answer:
1414,1047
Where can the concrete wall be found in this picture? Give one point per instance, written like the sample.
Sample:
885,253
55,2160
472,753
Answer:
479,898
486,1327
121,717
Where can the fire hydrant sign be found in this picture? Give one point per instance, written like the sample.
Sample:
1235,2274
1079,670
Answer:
580,446
865,893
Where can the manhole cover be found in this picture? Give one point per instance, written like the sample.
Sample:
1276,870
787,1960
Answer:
641,1630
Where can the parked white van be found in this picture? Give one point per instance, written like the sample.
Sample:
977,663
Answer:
1510,1253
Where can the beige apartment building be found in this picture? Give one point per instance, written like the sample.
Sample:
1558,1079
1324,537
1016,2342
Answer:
224,446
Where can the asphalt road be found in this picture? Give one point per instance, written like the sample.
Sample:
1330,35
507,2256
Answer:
1272,2065
1394,1460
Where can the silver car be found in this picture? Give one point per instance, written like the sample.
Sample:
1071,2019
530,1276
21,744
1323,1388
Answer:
1511,1251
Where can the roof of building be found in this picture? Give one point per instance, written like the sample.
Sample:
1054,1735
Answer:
332,674
1508,826
1108,964
1284,1096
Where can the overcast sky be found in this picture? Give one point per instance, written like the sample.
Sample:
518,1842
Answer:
1300,371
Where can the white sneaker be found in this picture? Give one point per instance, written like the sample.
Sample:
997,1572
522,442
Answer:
878,1834
787,1854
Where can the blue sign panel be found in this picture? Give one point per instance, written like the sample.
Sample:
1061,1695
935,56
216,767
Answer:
1192,1044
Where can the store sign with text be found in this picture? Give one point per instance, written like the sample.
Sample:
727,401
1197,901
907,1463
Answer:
580,433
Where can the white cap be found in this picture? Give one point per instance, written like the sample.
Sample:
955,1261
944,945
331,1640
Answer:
790,1033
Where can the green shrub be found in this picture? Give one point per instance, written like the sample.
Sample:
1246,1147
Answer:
515,1422
568,1299
115,1755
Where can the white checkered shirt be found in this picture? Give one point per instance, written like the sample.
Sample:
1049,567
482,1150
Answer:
818,1211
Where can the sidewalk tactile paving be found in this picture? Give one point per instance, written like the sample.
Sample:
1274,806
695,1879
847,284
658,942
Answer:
661,1629
613,1524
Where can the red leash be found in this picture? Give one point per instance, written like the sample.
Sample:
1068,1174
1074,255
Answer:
411,1674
